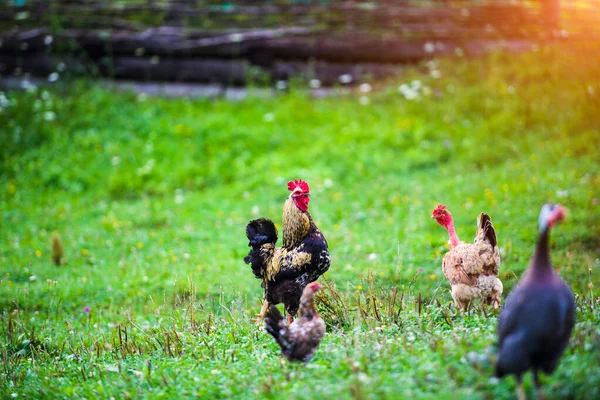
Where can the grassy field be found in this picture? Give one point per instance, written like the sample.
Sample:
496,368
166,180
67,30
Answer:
151,197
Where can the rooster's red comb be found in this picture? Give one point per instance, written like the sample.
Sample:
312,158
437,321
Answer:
440,207
298,183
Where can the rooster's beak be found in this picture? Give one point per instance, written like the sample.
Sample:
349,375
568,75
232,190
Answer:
432,216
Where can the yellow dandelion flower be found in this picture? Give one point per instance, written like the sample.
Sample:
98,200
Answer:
84,279
166,260
199,267
432,277
84,252
139,245
38,253
174,258
359,287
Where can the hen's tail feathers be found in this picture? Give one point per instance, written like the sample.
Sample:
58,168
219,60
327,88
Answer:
276,327
259,232
486,229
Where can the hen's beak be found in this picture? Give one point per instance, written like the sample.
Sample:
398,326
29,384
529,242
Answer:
432,216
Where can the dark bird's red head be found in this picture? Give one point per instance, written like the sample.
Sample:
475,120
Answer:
442,216
550,215
300,193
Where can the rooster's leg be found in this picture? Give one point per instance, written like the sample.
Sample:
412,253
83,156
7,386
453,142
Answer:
520,391
263,311
538,386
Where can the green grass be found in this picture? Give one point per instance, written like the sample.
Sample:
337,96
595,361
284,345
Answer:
151,196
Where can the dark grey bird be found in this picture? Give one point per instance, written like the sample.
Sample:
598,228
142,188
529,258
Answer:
536,323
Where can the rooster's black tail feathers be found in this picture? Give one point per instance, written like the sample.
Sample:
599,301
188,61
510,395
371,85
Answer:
261,231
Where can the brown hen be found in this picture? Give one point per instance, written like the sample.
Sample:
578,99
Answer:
298,341
471,268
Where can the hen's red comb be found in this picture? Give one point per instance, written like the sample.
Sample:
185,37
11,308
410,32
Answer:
298,183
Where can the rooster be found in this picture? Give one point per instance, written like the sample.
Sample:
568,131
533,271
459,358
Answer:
304,256
536,323
471,268
300,339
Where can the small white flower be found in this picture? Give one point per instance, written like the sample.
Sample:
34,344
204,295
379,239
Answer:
4,101
327,183
269,117
459,52
365,87
32,278
510,90
141,97
196,379
432,64
429,47
215,372
364,100
53,77
436,74
48,39
314,83
28,86
255,210
345,79
179,196
49,115
562,193
61,66
372,257
145,278
14,395
281,85
236,37
115,160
